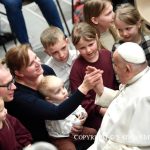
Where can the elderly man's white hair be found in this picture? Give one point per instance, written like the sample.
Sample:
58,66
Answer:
41,146
131,52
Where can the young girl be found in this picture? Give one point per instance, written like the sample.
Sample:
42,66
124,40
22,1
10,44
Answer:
131,28
99,13
13,135
86,41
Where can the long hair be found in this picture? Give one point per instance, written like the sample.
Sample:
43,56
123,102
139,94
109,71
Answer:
93,8
128,14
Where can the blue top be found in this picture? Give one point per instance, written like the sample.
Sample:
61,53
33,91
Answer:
32,110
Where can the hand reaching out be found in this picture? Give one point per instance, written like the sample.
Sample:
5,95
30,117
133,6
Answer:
91,79
99,87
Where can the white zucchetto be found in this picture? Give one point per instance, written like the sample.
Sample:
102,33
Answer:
131,52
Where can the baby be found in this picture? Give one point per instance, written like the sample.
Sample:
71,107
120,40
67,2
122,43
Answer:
54,91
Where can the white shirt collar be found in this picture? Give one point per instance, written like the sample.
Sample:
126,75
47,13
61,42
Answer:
138,76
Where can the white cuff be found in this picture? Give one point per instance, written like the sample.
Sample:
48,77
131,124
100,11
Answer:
106,98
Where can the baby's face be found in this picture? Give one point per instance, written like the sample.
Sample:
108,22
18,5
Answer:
59,92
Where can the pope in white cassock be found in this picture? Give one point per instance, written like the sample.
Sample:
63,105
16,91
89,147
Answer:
126,123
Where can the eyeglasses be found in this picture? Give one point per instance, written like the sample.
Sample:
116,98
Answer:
9,84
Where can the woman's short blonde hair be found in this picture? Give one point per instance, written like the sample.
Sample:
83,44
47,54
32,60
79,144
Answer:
17,57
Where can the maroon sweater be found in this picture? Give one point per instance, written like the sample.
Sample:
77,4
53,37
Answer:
77,75
13,135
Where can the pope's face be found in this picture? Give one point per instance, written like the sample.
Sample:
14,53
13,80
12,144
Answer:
120,68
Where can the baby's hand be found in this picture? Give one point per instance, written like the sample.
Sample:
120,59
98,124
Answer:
82,115
82,121
77,122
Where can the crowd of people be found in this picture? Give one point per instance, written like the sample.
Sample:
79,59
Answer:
100,89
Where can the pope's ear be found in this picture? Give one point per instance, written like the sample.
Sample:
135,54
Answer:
17,73
128,68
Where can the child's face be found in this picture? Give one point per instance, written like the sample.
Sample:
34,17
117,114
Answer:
59,51
59,93
3,111
88,50
105,19
129,33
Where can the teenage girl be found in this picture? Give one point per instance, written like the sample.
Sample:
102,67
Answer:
99,14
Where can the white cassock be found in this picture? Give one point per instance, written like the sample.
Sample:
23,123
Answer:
126,124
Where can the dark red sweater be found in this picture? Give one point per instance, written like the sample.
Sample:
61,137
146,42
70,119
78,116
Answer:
13,135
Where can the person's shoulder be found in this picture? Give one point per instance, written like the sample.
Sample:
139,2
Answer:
106,56
104,52
78,65
10,119
73,54
145,44
49,62
146,37
79,60
73,51
117,44
114,32
48,70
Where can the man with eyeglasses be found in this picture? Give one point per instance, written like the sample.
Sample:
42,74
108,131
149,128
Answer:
13,135
7,86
